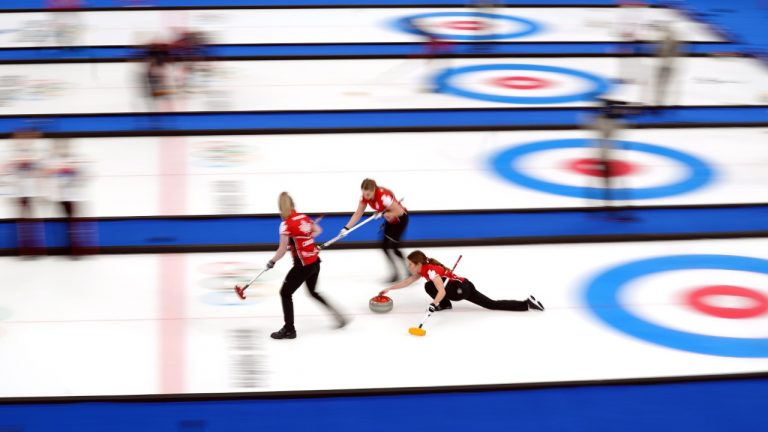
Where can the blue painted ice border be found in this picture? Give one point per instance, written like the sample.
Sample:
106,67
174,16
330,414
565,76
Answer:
40,4
425,228
254,122
352,50
735,404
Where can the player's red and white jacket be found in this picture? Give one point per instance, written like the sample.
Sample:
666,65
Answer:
302,245
383,198
431,271
24,174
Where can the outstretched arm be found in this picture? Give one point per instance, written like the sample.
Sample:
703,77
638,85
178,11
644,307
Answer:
402,284
356,216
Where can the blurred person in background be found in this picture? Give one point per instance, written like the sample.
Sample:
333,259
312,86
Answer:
668,49
189,53
607,125
384,203
433,54
156,77
485,27
25,172
66,180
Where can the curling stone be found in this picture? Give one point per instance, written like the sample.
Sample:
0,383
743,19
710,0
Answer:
380,304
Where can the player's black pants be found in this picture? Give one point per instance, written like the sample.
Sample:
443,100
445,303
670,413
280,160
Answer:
455,291
393,232
296,276
74,246
30,233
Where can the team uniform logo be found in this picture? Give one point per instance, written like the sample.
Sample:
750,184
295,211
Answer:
707,304
305,227
525,84
560,167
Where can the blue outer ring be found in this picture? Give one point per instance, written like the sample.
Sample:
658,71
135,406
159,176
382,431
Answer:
603,292
699,172
599,85
531,27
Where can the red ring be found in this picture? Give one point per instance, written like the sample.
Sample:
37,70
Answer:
521,82
468,25
696,299
592,167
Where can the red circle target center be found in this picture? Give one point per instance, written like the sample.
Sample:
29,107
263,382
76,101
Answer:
698,300
468,25
521,82
593,167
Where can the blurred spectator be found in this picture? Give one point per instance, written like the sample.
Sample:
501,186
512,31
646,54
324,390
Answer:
485,27
188,52
608,124
435,49
25,173
156,75
66,175
668,49
175,67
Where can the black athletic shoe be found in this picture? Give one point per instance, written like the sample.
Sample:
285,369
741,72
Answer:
284,333
442,307
534,304
341,322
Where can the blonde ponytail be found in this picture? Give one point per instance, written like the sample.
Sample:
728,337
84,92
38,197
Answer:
285,204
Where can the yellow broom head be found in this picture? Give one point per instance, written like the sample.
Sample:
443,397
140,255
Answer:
417,331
